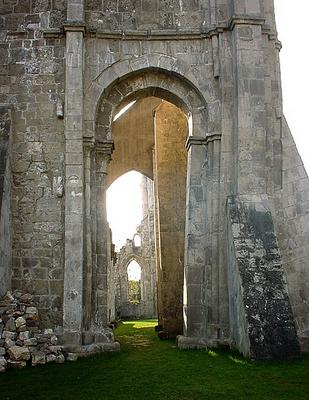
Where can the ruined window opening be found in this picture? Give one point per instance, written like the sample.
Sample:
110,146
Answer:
137,241
134,272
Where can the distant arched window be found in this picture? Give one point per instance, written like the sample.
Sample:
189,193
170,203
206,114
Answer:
134,272
137,241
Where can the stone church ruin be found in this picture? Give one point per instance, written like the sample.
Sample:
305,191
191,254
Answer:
231,195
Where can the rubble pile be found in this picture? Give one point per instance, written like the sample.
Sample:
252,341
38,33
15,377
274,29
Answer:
21,341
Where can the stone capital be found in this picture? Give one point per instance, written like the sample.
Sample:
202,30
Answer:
104,148
77,26
88,144
278,44
212,136
103,153
245,20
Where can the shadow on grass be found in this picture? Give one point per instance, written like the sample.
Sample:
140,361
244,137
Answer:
151,369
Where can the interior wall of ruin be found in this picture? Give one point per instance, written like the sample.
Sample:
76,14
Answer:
144,255
133,140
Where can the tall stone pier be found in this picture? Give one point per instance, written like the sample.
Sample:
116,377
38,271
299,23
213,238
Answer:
233,242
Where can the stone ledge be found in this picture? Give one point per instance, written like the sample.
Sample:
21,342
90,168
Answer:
195,140
74,26
190,342
197,34
91,349
211,137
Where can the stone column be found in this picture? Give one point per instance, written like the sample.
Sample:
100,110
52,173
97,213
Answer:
274,140
103,151
195,240
213,273
88,226
157,247
74,170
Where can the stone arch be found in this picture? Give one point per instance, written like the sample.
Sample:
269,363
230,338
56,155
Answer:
152,75
145,84
102,99
121,173
133,257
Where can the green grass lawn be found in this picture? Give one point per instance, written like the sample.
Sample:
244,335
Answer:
150,369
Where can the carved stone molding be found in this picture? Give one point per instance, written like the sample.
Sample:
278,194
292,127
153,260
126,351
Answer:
196,141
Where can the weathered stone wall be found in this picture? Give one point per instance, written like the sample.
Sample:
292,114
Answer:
25,16
261,318
153,14
32,82
291,218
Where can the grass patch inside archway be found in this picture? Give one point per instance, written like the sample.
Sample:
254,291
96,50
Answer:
150,369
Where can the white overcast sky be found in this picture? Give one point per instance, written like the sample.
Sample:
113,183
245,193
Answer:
124,208
124,197
292,26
